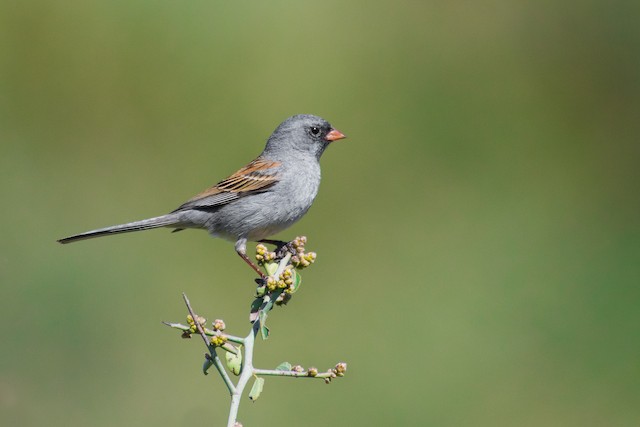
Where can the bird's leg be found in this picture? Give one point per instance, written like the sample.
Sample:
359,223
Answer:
279,244
252,265
281,247
241,249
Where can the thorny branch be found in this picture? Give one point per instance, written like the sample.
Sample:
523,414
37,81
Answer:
283,280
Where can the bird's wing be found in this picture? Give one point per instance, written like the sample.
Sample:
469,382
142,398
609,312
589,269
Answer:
256,177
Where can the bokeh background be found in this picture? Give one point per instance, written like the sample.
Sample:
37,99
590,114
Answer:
478,233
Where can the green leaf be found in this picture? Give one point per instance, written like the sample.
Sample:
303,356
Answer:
297,280
206,365
258,384
255,307
271,268
264,331
177,326
256,304
284,366
234,361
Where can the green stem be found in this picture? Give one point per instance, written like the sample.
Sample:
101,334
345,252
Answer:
303,374
223,373
214,356
234,339
245,376
247,365
207,332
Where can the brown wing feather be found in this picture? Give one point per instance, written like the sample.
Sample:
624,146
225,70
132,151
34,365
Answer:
257,175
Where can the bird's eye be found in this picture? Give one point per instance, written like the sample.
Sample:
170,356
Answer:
315,130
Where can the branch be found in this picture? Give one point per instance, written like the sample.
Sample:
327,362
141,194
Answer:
299,372
282,282
213,355
247,368
207,332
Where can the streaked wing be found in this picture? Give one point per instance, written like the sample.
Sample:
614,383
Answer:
256,177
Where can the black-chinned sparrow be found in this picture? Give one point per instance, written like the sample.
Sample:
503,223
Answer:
261,199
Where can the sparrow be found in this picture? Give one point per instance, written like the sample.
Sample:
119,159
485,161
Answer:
263,198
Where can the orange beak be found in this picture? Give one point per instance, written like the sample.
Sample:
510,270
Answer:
334,135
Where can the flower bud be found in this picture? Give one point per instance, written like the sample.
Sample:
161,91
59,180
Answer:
218,340
218,325
272,283
340,369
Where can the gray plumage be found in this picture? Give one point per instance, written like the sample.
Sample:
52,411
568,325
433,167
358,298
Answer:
261,199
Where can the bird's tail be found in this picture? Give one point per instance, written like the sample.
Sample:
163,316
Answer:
145,224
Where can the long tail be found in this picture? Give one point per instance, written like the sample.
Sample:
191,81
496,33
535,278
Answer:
145,224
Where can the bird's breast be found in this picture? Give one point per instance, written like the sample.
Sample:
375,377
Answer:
259,216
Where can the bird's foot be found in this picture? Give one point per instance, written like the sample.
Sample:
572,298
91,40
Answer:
286,248
282,248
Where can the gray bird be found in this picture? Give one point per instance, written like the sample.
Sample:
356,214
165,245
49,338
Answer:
261,199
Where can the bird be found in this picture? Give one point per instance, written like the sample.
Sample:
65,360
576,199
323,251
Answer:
265,197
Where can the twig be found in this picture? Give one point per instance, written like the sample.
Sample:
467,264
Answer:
195,320
214,355
303,374
208,332
223,373
281,283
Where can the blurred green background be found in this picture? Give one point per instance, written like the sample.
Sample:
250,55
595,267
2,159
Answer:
478,234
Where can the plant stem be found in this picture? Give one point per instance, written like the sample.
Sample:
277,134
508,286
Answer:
247,365
234,339
214,356
195,320
223,373
245,376
303,374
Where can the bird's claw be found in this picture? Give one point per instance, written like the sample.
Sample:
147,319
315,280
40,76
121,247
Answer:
284,249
